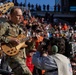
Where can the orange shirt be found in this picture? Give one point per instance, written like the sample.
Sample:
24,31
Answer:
25,22
65,27
39,39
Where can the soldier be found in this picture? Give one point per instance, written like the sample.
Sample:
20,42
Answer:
9,31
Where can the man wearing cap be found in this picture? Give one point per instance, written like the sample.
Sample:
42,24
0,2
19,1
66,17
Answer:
53,63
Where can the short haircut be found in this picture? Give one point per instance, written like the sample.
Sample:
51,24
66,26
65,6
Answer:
13,9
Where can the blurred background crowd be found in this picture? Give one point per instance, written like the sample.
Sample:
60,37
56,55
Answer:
41,29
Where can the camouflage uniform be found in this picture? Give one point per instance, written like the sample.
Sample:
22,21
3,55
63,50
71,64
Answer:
16,62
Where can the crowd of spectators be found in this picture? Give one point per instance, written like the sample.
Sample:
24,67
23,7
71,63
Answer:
38,28
37,7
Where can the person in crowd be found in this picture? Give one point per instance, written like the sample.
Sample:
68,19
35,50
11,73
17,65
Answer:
65,27
29,59
49,59
9,34
74,26
73,62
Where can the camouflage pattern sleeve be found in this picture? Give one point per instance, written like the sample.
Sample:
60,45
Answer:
3,29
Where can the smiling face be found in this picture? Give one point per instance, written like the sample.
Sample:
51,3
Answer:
16,16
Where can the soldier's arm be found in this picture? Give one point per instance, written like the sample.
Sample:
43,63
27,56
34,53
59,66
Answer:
3,35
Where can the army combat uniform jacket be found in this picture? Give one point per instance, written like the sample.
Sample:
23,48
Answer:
16,62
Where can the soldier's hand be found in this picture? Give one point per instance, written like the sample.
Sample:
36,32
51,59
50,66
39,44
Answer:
14,41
